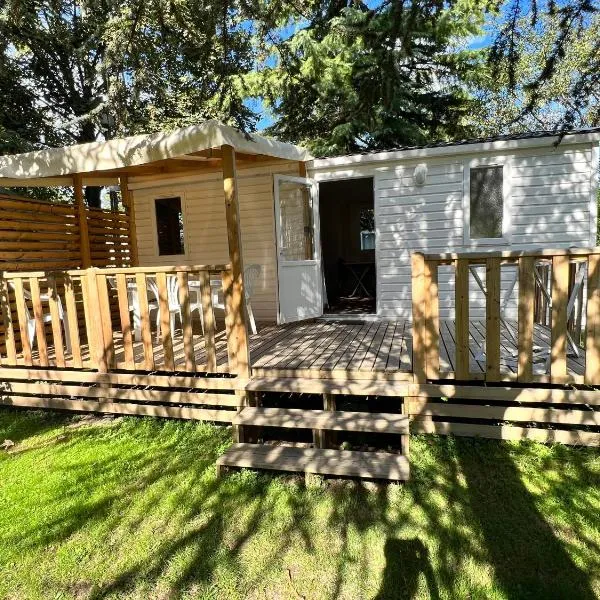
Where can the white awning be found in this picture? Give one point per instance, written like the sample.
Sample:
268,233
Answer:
140,150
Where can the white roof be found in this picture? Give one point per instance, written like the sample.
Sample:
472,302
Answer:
140,150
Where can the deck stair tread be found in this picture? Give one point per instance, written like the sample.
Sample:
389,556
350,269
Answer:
323,419
303,385
350,463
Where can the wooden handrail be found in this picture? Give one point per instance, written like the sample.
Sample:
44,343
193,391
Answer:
426,337
512,254
120,270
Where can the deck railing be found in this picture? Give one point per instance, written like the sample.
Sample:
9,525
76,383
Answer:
555,366
150,319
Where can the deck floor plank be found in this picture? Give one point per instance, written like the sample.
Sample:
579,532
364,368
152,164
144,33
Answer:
326,346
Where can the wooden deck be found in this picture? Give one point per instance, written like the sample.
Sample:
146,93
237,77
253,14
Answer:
326,349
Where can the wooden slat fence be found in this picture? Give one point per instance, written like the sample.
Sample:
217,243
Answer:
556,364
36,235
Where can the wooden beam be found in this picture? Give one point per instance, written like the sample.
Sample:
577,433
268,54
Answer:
84,236
238,333
461,307
129,205
432,321
592,336
492,319
526,313
560,298
418,315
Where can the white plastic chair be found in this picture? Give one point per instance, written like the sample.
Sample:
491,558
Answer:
251,274
133,304
173,303
46,318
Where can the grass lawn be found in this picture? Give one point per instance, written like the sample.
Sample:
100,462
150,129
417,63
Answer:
131,508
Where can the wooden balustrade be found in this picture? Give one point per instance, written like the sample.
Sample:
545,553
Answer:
129,318
571,355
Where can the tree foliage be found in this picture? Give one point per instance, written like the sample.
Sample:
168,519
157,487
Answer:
354,77
545,65
106,68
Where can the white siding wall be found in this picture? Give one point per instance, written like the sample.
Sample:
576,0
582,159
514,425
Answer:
205,227
549,201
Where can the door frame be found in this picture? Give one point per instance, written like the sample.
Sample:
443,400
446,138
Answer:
333,177
314,191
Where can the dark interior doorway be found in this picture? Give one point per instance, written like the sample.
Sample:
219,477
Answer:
347,217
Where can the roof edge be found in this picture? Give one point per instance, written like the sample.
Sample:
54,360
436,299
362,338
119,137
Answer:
533,140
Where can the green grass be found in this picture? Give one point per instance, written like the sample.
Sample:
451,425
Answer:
131,508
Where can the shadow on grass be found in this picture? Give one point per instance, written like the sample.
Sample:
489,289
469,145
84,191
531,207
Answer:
405,560
528,559
18,425
465,502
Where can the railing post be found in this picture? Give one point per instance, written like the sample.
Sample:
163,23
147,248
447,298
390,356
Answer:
526,317
461,319
432,320
560,298
418,316
94,316
492,319
592,335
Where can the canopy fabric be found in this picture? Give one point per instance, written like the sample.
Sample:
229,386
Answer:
141,150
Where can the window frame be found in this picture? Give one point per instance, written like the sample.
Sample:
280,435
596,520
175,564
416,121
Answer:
474,163
153,199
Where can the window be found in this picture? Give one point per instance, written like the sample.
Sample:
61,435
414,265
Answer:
486,202
296,221
367,229
169,226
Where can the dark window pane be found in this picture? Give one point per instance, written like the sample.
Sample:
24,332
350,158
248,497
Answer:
486,202
169,226
367,229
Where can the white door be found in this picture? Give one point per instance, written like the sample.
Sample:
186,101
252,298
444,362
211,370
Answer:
298,249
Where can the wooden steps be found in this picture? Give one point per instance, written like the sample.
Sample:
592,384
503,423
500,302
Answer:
323,419
349,387
345,463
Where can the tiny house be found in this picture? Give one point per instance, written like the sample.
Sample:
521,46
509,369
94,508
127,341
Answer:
457,282
336,239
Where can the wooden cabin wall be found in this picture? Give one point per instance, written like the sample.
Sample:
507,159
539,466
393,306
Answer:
205,230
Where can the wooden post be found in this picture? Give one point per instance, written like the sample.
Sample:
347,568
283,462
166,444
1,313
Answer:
558,332
94,317
432,321
492,319
84,236
418,314
129,206
592,335
238,334
526,317
461,327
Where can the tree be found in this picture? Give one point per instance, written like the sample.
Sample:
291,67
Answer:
358,78
545,60
98,69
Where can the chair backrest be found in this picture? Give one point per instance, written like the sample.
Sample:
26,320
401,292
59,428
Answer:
251,274
26,296
172,290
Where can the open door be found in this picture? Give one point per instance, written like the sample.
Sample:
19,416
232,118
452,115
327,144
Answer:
298,249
